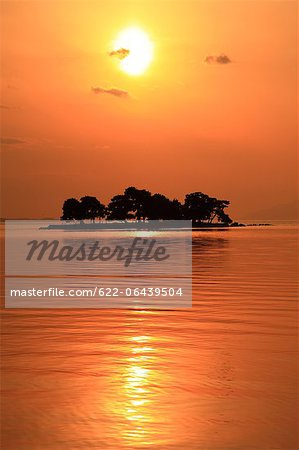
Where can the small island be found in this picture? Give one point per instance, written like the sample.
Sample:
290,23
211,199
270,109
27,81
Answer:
135,207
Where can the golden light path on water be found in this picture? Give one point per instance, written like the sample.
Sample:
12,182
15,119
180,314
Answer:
141,383
137,391
133,403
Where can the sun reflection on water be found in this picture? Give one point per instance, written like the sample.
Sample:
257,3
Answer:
137,391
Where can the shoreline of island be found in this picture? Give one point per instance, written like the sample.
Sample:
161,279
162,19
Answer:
147,225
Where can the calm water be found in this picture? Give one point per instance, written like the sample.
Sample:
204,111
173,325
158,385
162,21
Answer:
219,376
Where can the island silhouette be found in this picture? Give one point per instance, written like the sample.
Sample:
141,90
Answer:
139,205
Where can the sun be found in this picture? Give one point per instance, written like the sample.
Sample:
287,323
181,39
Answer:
135,51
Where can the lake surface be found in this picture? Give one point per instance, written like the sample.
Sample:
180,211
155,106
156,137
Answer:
219,376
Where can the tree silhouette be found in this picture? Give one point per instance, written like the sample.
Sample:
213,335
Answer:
119,208
160,207
92,208
139,200
218,211
140,204
200,207
71,210
87,208
132,204
196,206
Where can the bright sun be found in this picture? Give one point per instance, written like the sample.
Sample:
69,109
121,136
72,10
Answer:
140,50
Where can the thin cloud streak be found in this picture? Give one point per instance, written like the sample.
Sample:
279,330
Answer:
217,59
121,53
115,92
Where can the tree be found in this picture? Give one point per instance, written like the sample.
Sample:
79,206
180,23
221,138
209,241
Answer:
200,207
119,208
132,204
139,200
197,207
92,208
71,210
140,204
161,207
218,211
223,217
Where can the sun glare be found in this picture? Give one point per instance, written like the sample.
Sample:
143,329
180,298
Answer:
140,50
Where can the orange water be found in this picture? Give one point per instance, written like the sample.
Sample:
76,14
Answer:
219,376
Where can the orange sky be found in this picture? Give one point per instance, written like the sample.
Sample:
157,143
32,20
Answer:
228,130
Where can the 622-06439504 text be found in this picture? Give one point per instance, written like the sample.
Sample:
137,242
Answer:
99,292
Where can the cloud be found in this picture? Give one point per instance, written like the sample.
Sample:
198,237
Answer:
217,59
11,141
112,91
121,53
